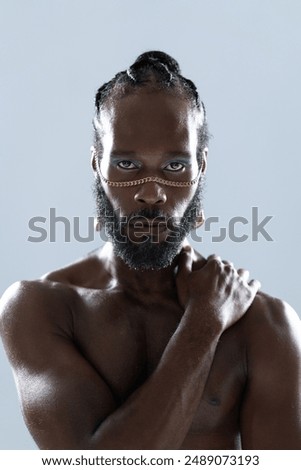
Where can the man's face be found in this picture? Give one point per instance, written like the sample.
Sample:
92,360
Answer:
148,133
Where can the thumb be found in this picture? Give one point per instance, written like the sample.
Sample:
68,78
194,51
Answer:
184,263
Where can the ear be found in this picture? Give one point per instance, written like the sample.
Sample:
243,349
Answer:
204,160
93,159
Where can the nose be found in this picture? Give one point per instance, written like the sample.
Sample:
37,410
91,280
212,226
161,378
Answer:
150,193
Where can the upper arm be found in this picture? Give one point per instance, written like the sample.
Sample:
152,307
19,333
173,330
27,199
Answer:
271,411
63,397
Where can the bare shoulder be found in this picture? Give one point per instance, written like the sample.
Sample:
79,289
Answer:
272,313
47,305
88,272
272,329
23,298
37,329
28,296
270,416
26,307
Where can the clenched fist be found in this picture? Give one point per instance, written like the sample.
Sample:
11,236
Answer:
219,291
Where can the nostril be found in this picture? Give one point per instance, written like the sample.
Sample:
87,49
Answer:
150,194
150,200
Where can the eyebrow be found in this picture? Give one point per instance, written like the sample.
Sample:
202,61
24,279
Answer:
128,153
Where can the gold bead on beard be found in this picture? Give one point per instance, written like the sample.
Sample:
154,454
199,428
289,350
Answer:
97,224
200,219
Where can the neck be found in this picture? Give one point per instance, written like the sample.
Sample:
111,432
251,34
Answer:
138,281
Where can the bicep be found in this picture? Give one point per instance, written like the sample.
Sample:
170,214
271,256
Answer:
63,397
271,411
64,403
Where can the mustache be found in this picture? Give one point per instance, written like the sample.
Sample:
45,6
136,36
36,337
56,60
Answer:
148,213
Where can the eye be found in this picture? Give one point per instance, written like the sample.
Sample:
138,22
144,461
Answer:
126,165
174,166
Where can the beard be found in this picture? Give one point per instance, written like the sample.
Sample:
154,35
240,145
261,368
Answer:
146,253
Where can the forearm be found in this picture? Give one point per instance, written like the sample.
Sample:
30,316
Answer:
158,414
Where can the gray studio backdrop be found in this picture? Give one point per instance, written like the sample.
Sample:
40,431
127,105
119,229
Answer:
245,58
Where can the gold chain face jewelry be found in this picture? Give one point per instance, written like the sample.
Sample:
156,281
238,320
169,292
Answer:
156,179
148,179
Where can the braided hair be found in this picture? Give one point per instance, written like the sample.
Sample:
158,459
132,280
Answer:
161,71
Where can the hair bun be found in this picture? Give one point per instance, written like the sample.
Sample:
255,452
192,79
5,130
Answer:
158,56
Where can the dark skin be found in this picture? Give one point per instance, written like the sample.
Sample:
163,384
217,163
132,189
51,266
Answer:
188,357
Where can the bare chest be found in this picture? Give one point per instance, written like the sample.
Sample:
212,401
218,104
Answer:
125,341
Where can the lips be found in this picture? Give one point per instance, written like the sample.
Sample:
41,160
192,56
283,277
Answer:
143,222
153,227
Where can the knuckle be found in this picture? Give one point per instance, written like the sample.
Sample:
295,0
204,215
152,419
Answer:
213,257
229,267
216,261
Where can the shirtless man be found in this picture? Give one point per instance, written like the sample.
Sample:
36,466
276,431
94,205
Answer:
144,344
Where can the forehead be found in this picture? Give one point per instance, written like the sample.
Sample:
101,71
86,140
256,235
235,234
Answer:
149,120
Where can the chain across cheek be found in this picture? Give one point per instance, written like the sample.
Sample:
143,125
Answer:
148,179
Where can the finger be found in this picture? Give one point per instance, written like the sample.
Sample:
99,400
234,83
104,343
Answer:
214,264
255,285
228,265
214,258
244,274
185,262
